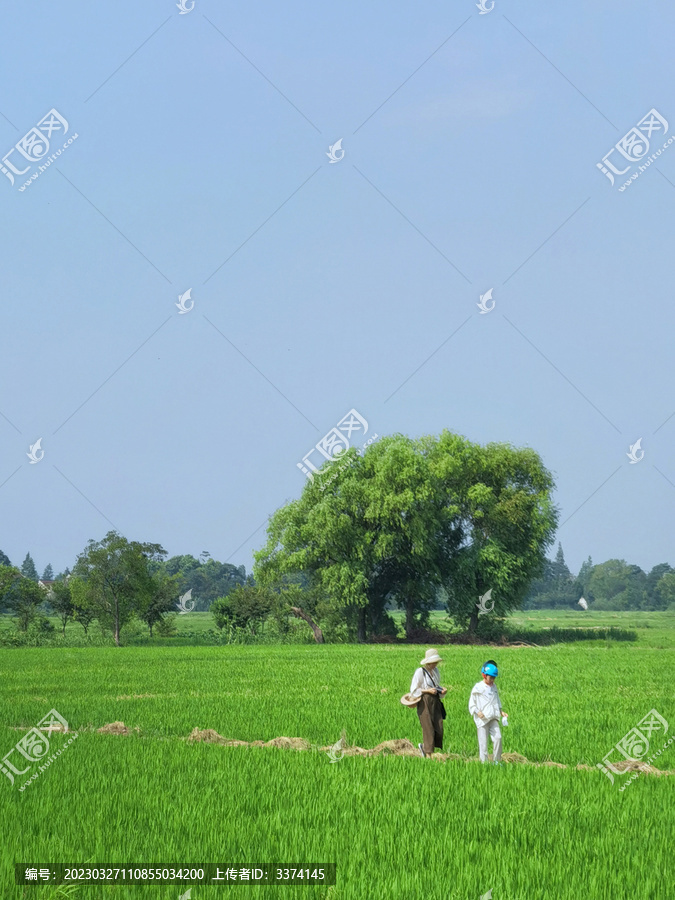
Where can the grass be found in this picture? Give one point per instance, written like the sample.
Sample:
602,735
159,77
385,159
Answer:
396,826
653,629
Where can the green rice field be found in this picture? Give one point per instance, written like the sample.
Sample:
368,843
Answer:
396,826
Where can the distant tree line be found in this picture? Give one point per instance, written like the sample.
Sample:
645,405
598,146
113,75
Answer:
410,524
611,585
113,581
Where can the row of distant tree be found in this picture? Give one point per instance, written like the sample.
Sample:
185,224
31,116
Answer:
29,570
412,524
611,585
205,577
113,581
401,525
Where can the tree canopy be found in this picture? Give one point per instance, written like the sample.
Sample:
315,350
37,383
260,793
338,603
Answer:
20,595
611,585
28,568
410,518
118,582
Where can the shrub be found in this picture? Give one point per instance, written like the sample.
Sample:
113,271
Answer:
166,626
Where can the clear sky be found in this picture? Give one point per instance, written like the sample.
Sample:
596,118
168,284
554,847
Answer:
470,148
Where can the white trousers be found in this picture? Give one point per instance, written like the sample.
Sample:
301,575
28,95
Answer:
493,728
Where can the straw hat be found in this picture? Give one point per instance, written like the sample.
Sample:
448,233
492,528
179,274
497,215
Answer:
409,700
431,656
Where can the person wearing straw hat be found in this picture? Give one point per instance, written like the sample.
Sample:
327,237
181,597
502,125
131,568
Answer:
426,690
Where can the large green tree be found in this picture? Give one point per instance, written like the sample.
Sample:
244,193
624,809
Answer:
506,521
117,578
411,517
365,537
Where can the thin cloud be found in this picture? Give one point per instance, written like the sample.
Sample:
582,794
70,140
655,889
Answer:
475,102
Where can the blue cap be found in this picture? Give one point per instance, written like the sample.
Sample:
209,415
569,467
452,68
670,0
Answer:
489,669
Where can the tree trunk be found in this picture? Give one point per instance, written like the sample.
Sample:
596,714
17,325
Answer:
361,633
409,617
301,614
116,620
473,621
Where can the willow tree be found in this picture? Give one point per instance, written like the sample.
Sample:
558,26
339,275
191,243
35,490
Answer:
365,535
507,520
409,517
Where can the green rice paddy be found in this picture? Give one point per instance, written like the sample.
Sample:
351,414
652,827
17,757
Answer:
396,826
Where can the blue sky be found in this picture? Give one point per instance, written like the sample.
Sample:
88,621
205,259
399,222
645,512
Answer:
470,149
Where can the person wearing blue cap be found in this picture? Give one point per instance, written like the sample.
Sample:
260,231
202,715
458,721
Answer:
486,708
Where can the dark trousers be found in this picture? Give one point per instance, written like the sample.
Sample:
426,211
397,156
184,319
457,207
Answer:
429,712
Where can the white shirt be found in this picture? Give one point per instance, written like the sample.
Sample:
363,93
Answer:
423,678
484,698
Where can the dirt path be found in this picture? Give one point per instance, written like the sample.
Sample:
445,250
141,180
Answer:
403,747
396,747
